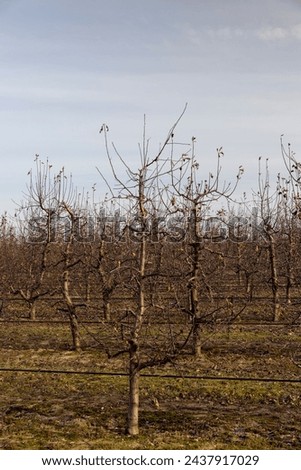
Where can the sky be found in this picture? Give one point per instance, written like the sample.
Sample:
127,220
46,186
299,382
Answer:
68,66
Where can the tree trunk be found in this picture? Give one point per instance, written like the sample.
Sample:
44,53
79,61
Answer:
289,283
133,408
194,300
107,310
249,285
239,257
32,313
88,289
274,279
196,320
197,339
106,304
76,345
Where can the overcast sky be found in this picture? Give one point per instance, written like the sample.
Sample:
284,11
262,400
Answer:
67,66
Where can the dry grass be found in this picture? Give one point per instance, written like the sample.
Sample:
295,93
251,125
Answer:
57,411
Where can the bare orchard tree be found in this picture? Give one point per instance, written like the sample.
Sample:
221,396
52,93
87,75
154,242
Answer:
269,227
141,194
9,258
27,279
53,210
71,259
71,231
291,196
288,227
104,258
196,196
36,217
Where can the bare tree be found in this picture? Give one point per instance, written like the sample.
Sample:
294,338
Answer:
269,215
37,219
53,210
70,261
9,257
196,197
142,192
291,202
105,255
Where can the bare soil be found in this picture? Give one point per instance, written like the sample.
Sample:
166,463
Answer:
64,411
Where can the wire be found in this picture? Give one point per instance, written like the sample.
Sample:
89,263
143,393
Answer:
160,376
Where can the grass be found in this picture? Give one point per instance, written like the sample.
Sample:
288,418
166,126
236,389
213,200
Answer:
90,413
56,411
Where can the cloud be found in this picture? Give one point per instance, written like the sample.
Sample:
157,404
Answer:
279,33
270,33
226,32
296,31
196,37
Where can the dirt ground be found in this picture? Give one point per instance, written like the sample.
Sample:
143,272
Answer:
65,411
